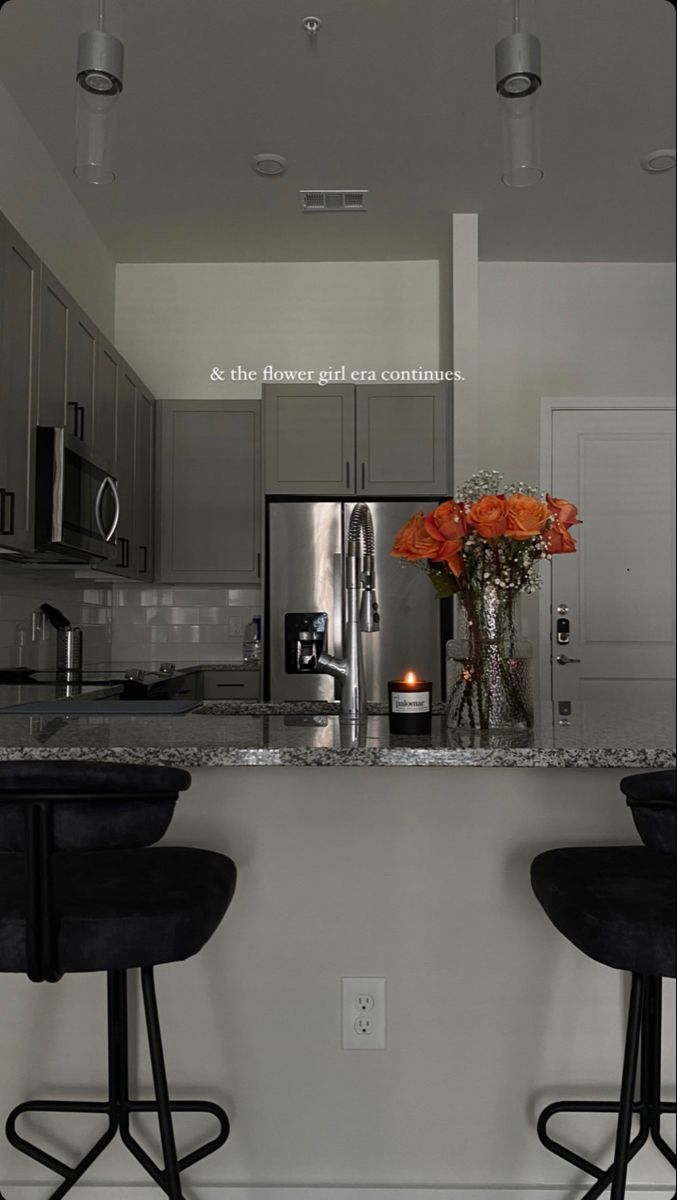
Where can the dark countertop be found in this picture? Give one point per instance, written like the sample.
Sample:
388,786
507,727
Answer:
250,734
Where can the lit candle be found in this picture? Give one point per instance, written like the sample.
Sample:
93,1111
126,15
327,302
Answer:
410,704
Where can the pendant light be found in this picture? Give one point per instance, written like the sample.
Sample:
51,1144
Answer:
99,78
518,81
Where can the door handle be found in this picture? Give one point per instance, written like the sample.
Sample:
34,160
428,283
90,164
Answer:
7,506
564,660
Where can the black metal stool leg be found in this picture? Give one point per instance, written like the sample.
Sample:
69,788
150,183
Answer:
172,1178
657,1107
639,984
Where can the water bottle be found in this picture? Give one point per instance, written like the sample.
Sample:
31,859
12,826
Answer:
251,647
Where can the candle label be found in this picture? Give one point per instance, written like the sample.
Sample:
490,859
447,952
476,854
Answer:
410,702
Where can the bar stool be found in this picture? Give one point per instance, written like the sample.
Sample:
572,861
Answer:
617,905
83,889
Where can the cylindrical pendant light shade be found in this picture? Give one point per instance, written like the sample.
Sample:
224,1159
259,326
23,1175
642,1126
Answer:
95,135
521,142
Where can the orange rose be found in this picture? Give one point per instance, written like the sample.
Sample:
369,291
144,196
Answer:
564,511
488,517
414,542
455,564
527,516
447,521
558,540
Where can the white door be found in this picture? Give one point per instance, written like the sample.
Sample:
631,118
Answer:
618,591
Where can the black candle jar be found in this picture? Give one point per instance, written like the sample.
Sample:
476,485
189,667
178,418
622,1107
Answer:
410,705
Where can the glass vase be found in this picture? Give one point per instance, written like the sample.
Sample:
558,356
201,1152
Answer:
489,670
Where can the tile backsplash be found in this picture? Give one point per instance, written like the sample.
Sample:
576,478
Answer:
178,623
84,602
122,622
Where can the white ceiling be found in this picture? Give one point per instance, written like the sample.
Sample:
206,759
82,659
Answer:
396,96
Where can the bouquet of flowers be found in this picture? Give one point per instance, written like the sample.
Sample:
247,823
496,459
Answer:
486,547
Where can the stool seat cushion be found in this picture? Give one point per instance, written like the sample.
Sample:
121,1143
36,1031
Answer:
616,904
119,909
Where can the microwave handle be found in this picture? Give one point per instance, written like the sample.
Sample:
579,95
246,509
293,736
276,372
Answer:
107,482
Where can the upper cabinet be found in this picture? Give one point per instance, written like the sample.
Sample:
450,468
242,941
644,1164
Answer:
371,440
57,368
310,440
402,442
210,491
19,307
134,470
75,372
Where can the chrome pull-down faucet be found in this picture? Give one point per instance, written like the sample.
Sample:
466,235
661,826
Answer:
362,615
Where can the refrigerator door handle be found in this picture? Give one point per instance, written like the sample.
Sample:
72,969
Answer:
337,616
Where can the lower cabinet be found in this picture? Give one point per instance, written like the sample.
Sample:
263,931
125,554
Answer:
210,511
230,685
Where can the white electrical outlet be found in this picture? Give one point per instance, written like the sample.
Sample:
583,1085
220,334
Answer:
235,627
363,1014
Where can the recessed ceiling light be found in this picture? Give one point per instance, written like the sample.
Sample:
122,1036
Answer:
269,164
659,161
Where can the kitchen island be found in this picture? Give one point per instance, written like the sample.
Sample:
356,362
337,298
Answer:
391,868
221,734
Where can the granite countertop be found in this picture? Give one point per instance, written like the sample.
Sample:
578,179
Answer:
251,734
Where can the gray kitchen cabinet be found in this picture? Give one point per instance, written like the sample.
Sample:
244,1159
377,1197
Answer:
55,318
108,368
81,401
124,468
210,491
309,440
402,439
19,313
230,685
143,486
77,375
381,440
135,412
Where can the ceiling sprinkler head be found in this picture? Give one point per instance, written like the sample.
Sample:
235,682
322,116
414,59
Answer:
312,25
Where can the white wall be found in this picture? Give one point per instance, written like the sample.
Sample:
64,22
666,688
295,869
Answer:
36,199
418,875
175,321
566,329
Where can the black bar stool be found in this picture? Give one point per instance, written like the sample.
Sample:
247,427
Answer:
82,889
617,905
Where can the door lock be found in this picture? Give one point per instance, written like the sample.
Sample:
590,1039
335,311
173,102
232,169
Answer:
563,631
564,660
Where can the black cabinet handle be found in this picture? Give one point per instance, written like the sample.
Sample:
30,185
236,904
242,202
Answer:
76,416
144,568
347,474
258,564
7,512
364,476
124,552
81,422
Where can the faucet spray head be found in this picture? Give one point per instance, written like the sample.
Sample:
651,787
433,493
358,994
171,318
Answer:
370,617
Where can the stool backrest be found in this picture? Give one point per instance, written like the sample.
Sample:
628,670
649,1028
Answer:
652,799
48,807
96,806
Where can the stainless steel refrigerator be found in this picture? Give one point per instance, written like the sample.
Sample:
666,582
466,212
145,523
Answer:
303,564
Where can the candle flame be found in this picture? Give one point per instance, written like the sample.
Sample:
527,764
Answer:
410,677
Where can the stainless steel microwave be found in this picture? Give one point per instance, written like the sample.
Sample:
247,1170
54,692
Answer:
77,503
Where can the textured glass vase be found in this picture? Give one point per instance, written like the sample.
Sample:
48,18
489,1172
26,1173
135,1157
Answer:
489,670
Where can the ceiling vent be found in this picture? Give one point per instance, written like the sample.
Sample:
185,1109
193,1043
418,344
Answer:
353,201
